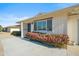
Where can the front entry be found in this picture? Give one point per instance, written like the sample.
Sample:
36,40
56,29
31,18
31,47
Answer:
29,27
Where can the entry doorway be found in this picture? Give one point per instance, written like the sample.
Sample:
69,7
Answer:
29,27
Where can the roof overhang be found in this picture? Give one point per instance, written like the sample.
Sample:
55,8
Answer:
62,12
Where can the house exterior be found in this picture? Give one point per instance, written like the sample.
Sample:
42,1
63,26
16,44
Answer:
12,28
64,21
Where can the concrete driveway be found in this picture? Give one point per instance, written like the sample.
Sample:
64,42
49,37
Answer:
15,46
1,49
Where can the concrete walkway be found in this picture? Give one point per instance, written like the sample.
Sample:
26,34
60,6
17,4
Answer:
73,50
1,49
15,46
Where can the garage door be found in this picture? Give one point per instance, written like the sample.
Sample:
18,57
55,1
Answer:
14,29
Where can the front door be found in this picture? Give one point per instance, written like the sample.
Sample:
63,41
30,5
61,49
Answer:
29,27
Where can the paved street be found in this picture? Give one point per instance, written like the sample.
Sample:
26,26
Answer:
15,46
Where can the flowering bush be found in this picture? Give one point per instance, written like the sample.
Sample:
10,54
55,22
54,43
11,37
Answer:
56,40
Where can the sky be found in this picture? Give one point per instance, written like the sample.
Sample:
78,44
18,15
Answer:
10,13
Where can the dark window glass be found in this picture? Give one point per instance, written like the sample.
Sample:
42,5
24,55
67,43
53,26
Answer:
49,25
44,25
29,27
35,25
39,25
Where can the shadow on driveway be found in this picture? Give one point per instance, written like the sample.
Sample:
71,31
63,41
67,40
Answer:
40,43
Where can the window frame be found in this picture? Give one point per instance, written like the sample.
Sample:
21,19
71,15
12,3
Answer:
46,20
41,21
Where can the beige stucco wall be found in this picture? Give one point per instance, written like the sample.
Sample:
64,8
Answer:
73,28
59,25
22,36
32,27
24,29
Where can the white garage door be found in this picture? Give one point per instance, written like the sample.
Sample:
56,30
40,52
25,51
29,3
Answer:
14,29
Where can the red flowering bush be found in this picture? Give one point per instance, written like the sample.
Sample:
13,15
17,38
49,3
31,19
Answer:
56,40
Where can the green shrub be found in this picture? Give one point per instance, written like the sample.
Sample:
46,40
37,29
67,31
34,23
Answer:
16,33
1,28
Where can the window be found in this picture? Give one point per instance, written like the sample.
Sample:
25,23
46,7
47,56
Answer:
35,26
40,25
49,25
43,25
29,27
